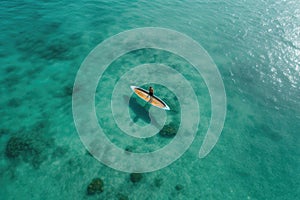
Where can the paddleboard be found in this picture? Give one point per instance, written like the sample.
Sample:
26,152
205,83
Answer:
154,100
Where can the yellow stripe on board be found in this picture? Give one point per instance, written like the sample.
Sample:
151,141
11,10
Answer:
146,97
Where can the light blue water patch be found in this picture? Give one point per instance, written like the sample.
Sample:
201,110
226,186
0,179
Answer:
255,45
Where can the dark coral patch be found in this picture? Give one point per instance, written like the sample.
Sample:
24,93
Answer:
28,149
14,102
129,148
55,49
96,186
59,152
136,177
68,90
179,187
16,146
168,130
41,126
4,131
11,69
122,197
158,182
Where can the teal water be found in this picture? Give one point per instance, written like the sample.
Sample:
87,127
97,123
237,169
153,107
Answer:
256,46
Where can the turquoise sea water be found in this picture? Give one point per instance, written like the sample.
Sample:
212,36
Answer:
256,46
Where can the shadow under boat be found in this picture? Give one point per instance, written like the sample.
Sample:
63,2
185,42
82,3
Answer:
140,112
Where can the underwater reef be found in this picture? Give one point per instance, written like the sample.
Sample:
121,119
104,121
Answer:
136,177
122,197
56,49
158,182
28,148
169,130
96,186
179,187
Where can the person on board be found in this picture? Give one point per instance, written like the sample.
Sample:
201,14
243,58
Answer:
151,91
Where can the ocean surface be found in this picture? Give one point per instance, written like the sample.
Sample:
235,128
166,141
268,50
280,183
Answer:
256,47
